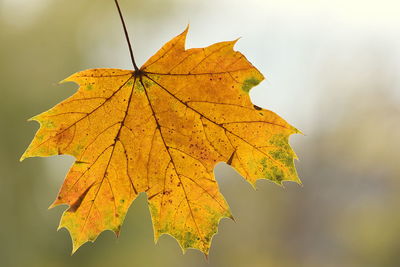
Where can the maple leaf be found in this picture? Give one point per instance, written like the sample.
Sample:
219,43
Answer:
161,129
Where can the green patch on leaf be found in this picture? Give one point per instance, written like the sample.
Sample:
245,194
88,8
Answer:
250,83
283,156
129,83
139,87
188,240
148,83
49,124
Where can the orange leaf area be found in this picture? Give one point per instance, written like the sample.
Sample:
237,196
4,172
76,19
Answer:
161,130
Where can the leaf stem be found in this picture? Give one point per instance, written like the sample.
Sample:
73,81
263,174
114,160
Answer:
127,36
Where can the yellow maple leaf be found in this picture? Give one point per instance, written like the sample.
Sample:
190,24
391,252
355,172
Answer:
161,130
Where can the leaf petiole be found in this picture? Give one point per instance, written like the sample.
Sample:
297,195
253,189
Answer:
127,37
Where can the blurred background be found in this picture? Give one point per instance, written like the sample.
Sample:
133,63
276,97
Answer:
333,71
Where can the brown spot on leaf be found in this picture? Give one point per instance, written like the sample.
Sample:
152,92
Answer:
74,207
